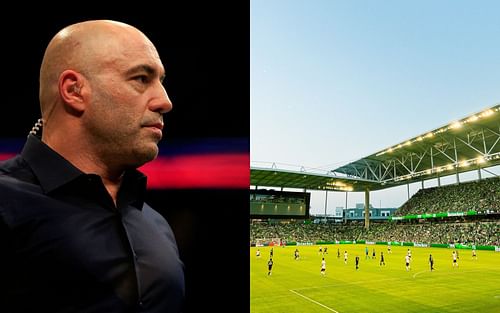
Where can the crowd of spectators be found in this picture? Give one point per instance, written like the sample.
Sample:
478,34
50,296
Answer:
304,232
481,196
457,232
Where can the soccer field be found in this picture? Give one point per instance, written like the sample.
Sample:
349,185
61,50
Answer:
298,286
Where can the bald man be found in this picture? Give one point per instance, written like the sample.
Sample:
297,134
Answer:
75,233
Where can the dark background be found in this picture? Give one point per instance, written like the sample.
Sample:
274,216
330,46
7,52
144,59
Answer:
205,50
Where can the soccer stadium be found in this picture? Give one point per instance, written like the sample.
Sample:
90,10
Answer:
438,252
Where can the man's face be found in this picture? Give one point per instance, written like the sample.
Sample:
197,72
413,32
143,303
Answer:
128,99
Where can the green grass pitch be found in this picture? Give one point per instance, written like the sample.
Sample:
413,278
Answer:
298,286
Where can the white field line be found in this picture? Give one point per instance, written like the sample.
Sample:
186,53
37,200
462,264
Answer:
361,282
313,301
334,285
428,271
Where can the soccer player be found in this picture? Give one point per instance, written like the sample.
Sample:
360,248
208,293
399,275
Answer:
325,251
373,254
454,256
474,256
338,253
320,250
296,254
323,267
257,253
271,253
389,249
357,262
366,253
270,266
407,259
345,257
431,262
409,253
382,258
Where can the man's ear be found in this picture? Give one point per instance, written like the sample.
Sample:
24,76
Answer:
70,87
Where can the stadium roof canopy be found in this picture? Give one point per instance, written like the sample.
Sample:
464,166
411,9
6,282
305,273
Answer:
470,143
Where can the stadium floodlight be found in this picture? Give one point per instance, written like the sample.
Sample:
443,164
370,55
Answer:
473,118
487,113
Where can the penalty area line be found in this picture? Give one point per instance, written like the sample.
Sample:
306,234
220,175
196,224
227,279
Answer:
313,301
459,272
416,274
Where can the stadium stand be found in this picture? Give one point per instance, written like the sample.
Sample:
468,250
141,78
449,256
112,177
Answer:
479,196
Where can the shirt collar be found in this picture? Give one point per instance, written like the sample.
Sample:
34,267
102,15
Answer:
54,171
50,168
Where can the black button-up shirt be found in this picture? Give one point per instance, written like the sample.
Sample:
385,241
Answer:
66,247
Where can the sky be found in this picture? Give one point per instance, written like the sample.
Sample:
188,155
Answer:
334,81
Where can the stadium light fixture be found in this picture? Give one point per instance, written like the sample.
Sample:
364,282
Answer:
473,118
486,113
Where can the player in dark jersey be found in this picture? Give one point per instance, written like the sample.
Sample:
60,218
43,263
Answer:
455,258
382,261
431,262
357,262
270,266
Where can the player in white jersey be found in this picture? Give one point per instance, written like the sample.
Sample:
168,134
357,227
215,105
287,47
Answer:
345,257
407,259
323,267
